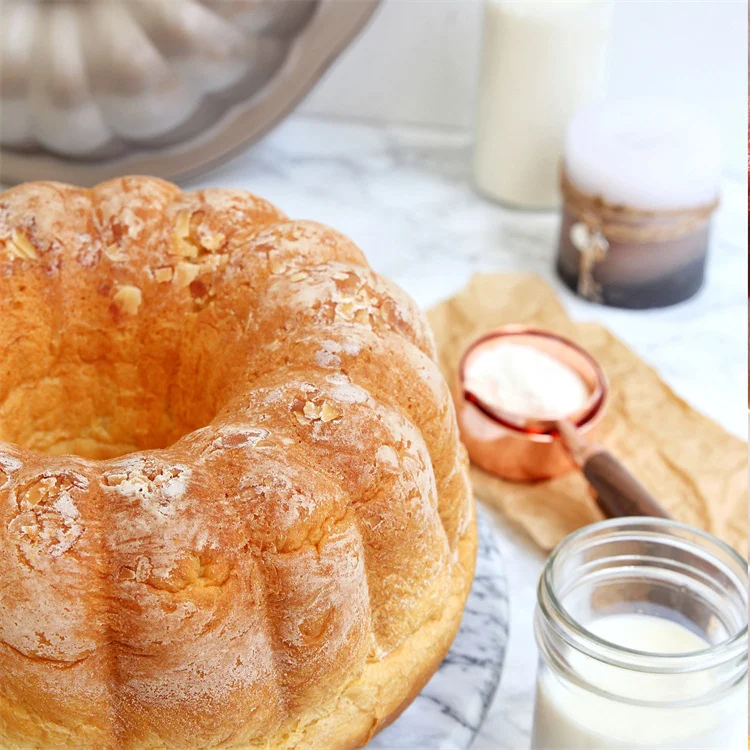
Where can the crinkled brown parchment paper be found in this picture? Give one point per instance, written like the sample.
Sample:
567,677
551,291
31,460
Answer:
696,469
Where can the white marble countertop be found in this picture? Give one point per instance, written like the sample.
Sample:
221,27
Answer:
404,196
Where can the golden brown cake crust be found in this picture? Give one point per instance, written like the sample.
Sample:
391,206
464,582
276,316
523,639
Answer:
234,509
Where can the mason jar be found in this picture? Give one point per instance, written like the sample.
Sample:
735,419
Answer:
641,625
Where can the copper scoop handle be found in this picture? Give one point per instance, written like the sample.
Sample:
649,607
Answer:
618,492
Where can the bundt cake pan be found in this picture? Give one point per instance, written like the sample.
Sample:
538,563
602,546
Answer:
91,90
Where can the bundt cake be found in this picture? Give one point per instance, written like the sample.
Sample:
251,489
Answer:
234,509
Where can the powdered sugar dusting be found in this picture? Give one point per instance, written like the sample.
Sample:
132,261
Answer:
327,358
155,486
345,391
386,455
328,354
10,464
236,436
48,520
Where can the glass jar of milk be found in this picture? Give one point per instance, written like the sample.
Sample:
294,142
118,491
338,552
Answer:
541,61
642,628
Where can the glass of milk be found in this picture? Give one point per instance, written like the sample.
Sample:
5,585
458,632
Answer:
642,630
541,61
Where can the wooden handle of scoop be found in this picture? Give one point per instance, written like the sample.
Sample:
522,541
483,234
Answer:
619,493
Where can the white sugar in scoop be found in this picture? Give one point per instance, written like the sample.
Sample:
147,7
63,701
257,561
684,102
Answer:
524,381
541,394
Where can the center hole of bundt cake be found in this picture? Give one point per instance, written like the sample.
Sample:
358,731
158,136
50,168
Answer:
100,415
101,393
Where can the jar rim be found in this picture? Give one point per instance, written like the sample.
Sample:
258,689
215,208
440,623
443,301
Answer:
634,659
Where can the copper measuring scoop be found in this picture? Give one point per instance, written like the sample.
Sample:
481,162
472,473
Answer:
523,447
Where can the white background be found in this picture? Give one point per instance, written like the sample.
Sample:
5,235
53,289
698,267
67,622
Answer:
417,63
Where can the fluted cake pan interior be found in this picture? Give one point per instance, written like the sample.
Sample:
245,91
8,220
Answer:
91,90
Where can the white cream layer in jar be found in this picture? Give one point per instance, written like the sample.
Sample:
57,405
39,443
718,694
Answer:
522,380
642,630
641,180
